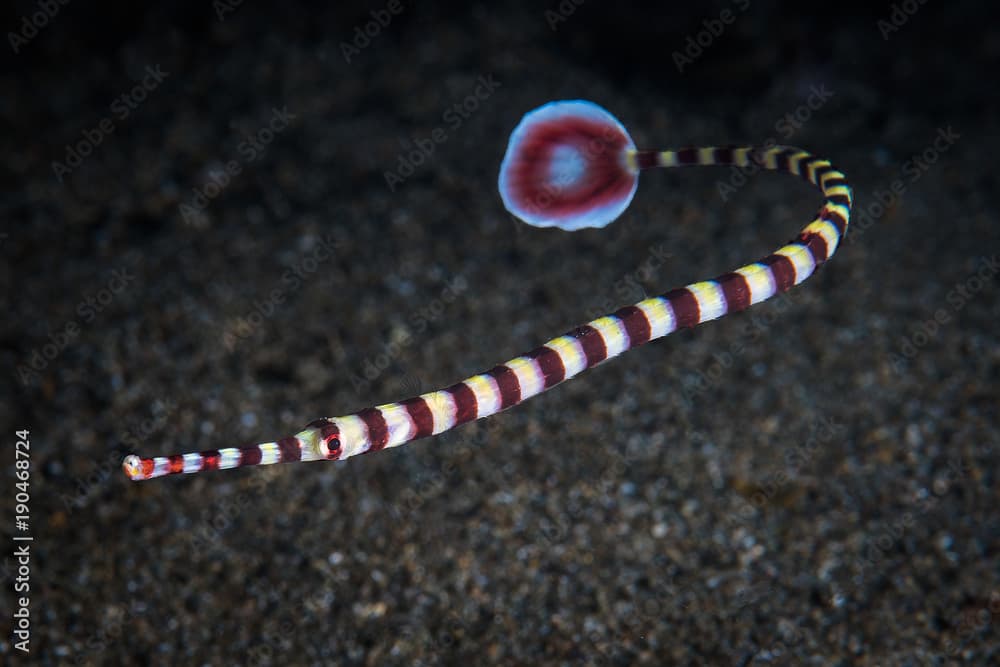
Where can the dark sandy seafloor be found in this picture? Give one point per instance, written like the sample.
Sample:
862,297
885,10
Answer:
812,481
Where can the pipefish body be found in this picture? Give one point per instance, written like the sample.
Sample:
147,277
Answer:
571,165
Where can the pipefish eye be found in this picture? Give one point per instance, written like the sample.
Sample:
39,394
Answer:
332,448
567,166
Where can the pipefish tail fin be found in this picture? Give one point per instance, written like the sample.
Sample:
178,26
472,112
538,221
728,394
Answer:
567,166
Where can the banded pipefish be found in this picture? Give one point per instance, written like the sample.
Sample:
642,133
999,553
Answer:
571,165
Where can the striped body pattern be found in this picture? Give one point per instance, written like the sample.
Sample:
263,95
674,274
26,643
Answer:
602,172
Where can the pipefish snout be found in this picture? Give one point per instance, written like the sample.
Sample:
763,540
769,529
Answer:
570,165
